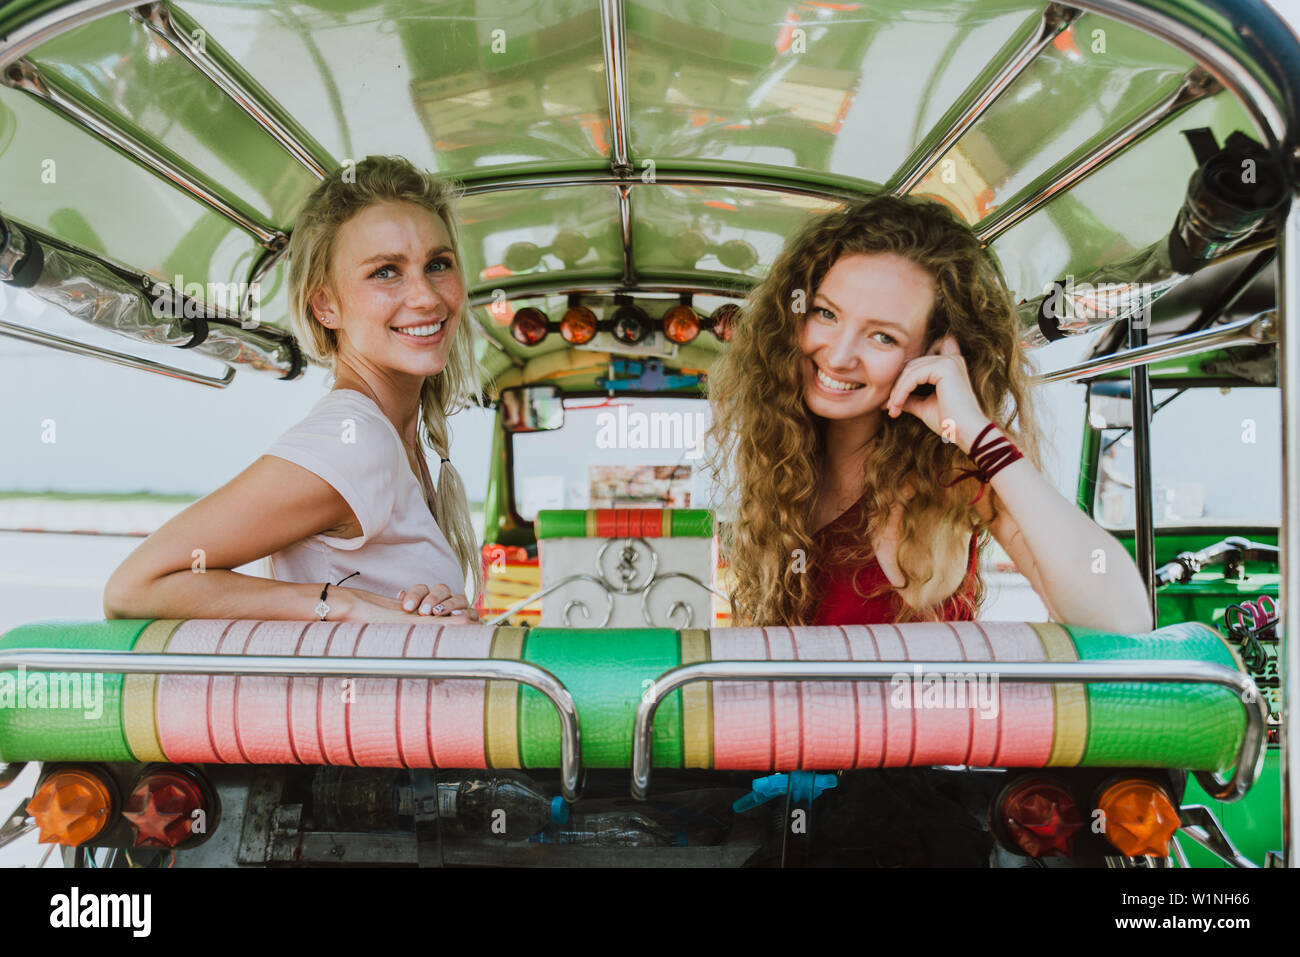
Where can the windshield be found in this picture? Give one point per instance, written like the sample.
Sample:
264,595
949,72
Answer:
625,451
1215,461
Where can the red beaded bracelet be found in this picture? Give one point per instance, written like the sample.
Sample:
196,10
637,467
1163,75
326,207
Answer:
989,459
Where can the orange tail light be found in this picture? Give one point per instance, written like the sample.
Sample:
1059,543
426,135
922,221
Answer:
71,806
1139,816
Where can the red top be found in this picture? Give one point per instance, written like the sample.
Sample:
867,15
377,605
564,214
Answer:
842,605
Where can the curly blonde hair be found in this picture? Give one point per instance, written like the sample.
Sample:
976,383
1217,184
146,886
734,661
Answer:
341,195
769,447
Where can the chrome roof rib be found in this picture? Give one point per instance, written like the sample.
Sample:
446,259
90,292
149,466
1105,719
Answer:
26,76
1011,61
162,20
53,23
613,37
1277,127
1089,158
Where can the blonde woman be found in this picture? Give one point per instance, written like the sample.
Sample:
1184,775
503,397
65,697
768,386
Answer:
873,412
377,292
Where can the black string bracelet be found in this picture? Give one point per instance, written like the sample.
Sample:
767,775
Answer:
323,609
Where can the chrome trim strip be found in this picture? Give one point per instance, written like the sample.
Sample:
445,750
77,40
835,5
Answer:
613,41
685,177
25,76
37,337
978,97
1288,304
559,287
1083,162
158,18
493,669
1250,756
1253,330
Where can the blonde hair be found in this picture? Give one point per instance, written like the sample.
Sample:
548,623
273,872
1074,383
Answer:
341,195
769,447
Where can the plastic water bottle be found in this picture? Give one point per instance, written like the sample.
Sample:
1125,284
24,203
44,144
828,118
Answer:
614,829
507,806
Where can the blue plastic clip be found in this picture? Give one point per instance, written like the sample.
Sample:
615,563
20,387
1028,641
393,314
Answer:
804,788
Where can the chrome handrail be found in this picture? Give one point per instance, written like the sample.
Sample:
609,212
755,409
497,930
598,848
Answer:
1244,773
1258,329
37,337
491,669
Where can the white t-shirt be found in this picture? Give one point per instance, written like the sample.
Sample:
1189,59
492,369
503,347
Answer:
348,441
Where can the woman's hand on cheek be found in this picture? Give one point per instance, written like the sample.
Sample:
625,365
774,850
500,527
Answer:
952,411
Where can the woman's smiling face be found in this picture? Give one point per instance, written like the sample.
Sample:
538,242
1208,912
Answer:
399,296
865,322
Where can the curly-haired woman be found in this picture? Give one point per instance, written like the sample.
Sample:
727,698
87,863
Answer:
874,420
376,293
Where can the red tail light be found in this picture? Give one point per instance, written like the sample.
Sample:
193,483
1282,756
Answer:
723,318
529,326
681,324
168,807
1040,816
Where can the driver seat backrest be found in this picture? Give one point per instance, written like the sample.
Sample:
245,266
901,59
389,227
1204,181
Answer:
671,542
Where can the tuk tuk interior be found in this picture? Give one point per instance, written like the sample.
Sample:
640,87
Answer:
664,153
